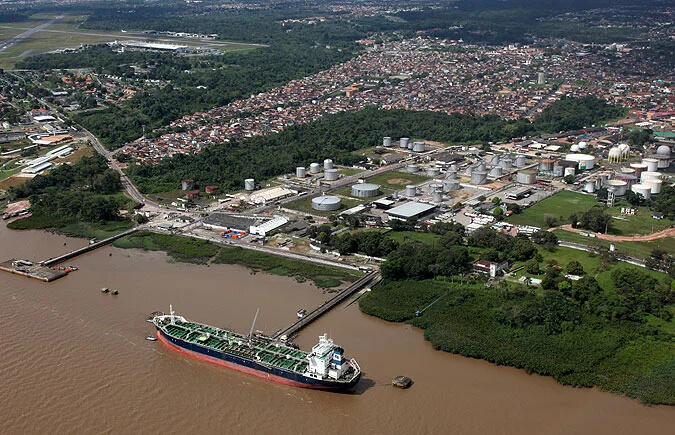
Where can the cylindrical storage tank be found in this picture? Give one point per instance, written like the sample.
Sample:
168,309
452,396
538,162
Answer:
656,186
314,168
410,190
505,163
410,145
451,175
569,171
300,172
652,164
326,203
437,196
526,177
520,161
478,177
403,143
480,167
639,168
626,171
249,184
453,167
546,165
496,172
589,186
664,163
619,186
628,178
386,141
365,190
494,160
435,187
412,168
433,172
328,164
649,175
449,185
585,161
418,147
558,171
468,170
330,174
643,189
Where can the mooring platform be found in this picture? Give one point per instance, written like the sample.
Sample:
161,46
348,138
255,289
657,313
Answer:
32,270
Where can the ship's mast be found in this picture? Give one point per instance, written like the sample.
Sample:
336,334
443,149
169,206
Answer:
173,319
250,332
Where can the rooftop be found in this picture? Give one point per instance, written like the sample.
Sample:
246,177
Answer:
410,209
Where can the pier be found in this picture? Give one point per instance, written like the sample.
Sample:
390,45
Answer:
291,330
88,248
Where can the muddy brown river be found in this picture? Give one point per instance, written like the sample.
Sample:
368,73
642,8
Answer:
74,360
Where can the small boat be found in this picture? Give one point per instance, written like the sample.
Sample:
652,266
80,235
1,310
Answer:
72,267
151,338
115,292
301,313
105,290
402,382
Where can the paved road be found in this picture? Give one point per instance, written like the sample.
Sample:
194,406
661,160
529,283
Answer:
27,34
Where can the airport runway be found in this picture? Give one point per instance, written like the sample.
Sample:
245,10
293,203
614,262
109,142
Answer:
28,33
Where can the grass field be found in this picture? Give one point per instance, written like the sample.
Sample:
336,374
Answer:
565,203
634,249
397,180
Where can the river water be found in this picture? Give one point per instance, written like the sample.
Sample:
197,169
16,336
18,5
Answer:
74,360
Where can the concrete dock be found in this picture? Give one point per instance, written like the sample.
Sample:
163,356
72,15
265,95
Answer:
370,279
21,267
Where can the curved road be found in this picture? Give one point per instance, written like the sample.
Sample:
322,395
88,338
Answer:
669,232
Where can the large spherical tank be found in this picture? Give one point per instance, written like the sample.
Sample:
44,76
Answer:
585,161
249,184
450,184
649,175
412,168
386,141
569,171
652,164
496,172
433,172
589,186
663,151
478,177
618,185
300,172
656,186
418,147
583,145
526,177
330,174
410,190
643,189
403,142
314,168
328,164
558,171
326,203
365,190
574,148
520,161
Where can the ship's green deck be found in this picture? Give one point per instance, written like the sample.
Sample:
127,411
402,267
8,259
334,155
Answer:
264,351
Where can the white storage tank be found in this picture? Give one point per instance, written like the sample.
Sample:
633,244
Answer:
433,172
520,161
300,172
649,175
546,165
569,171
403,143
584,161
249,184
328,164
365,190
526,177
589,186
656,186
412,168
435,187
619,186
418,147
496,172
326,203
314,168
478,177
643,189
652,164
505,163
330,174
437,196
386,141
410,190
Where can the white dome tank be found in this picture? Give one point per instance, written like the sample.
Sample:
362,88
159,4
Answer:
575,148
583,145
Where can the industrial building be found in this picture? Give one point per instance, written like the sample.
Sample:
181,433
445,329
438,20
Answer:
410,210
271,194
269,226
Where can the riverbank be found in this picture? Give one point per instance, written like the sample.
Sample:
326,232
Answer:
191,250
544,334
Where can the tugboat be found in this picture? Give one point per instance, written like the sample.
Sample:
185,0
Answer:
324,367
301,313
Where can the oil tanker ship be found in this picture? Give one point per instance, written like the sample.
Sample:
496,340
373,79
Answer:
325,367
